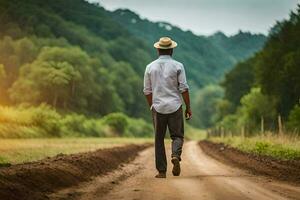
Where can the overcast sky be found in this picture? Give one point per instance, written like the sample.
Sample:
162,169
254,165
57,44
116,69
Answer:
208,16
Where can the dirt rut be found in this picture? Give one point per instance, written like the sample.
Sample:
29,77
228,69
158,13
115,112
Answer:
286,170
36,180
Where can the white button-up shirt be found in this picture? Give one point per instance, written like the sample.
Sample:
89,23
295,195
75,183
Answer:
165,79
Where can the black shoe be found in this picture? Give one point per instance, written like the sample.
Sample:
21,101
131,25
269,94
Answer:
161,175
176,166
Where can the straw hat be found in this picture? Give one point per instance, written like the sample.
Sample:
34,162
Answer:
165,43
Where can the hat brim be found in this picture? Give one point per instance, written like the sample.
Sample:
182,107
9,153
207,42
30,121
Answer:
172,46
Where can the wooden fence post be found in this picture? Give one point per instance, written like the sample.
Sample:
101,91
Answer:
243,131
222,132
280,132
262,127
208,133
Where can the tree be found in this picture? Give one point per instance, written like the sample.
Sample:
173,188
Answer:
67,78
2,78
278,64
57,74
128,86
57,77
24,91
238,82
224,108
104,98
254,106
126,50
294,120
2,73
205,106
230,123
25,50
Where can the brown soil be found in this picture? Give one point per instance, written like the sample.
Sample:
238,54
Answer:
286,170
37,179
202,177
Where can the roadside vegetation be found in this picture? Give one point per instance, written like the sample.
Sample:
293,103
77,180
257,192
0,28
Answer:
14,151
284,147
259,109
261,93
192,133
44,121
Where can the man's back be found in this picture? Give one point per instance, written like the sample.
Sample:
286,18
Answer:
164,84
165,79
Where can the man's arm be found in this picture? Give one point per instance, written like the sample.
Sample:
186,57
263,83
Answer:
147,87
186,99
149,99
184,89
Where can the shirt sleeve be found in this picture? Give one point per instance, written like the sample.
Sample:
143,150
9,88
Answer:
147,82
182,83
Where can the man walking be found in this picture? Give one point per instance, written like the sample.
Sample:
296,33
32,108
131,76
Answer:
164,84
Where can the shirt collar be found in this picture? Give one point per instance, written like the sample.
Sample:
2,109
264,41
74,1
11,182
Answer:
165,56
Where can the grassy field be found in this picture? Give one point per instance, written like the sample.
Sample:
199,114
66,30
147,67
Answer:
13,151
192,133
284,147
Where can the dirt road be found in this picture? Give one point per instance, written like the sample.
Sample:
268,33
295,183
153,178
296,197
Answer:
202,178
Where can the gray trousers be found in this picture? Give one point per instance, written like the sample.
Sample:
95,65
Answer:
174,122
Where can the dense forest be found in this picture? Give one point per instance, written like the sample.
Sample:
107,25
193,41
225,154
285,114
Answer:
77,57
72,55
66,53
263,87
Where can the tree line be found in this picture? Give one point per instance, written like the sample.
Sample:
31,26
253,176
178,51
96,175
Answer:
70,55
262,93
78,57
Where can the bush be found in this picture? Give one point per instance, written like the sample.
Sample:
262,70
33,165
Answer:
43,121
26,122
255,105
294,120
139,128
72,125
117,121
230,122
47,119
79,125
94,128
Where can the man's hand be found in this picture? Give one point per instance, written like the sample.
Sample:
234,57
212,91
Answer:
188,113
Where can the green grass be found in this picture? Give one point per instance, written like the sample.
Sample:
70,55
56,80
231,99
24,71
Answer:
286,148
194,133
13,151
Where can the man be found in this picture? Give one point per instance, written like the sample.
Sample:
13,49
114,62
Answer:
164,84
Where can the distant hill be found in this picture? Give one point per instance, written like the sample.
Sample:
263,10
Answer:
241,46
206,58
